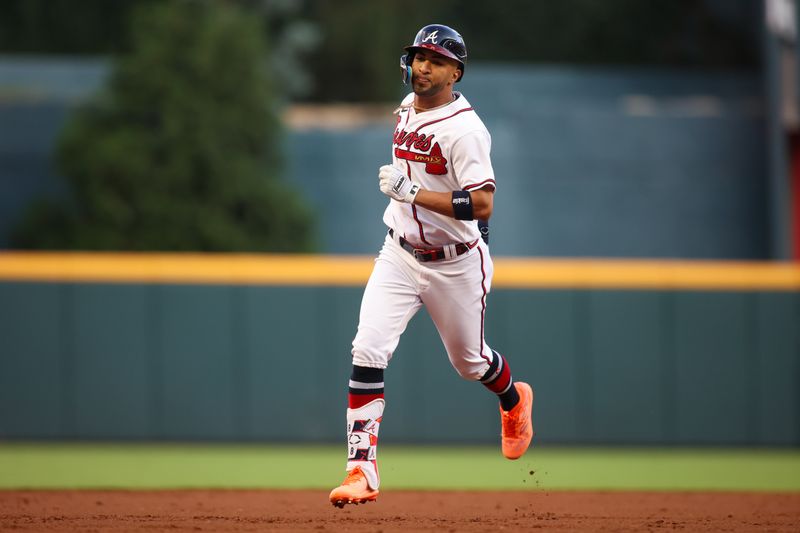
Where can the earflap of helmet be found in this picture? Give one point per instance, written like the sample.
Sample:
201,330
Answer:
405,66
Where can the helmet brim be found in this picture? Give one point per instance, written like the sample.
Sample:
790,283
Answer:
434,48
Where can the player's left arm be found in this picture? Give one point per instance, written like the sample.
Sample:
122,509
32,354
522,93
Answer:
482,201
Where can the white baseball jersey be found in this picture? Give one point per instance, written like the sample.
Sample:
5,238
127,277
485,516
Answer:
442,150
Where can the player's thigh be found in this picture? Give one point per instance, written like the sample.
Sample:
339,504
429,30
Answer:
389,295
390,299
457,306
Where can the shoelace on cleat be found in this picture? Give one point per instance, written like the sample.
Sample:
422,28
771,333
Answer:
353,477
513,425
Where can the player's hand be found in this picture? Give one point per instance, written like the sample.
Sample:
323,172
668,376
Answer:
395,184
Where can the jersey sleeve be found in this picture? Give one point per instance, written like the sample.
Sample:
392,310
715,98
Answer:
472,164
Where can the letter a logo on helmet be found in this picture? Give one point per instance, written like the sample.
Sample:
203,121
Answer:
440,39
431,37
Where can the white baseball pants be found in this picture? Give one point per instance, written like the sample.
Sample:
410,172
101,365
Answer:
454,292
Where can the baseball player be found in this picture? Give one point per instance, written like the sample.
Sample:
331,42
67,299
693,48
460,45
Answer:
440,184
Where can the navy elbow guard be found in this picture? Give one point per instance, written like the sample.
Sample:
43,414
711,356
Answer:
462,205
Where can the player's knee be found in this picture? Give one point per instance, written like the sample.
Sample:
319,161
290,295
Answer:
469,371
369,358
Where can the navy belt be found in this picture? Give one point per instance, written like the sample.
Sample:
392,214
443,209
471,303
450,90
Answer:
431,254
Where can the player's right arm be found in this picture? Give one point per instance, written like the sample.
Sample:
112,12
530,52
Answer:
461,205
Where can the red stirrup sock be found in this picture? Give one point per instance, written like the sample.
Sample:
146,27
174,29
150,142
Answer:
366,384
498,380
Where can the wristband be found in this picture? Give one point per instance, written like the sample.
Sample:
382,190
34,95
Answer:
462,205
412,194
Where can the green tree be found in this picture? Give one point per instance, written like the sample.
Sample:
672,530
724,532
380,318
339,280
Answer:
181,152
361,41
63,26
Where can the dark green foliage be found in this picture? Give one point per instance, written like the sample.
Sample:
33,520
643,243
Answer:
362,41
702,33
63,26
181,152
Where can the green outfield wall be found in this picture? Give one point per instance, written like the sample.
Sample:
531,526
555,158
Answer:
646,362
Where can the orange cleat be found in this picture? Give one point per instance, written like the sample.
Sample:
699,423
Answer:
354,489
517,424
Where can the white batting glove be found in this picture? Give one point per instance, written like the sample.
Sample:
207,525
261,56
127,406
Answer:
395,184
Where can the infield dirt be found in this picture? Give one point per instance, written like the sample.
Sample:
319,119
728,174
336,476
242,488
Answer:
268,510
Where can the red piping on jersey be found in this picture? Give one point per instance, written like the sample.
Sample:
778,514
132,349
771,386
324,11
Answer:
414,211
408,117
419,223
481,184
441,119
483,303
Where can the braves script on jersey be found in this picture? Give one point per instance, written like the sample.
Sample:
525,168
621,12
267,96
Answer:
441,150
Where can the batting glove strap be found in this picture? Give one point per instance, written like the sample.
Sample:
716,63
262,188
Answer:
412,194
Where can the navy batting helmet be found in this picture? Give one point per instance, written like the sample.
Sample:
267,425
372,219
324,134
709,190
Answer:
439,38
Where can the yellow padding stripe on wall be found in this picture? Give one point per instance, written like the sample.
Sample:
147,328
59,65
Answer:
267,269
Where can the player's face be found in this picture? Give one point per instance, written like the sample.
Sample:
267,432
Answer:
433,73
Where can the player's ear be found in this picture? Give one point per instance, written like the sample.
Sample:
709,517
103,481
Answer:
456,75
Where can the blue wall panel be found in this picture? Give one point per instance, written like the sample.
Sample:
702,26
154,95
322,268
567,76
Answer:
537,331
111,386
281,337
714,338
777,381
298,345
336,316
32,364
625,344
198,380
